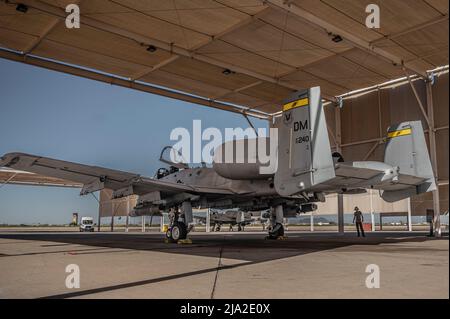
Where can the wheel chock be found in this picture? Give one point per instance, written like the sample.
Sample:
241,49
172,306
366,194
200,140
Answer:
282,237
184,241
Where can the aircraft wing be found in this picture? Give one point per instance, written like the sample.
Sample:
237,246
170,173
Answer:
93,178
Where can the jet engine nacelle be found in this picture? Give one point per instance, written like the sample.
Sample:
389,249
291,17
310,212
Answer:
238,159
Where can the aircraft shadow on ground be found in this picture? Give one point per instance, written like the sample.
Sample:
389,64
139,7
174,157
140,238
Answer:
248,249
243,247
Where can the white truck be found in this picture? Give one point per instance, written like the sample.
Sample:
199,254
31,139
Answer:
87,224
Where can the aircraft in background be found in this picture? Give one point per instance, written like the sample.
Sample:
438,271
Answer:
307,170
234,217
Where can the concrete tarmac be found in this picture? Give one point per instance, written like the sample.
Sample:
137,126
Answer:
223,265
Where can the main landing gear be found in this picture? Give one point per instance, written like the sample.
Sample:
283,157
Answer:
276,229
178,231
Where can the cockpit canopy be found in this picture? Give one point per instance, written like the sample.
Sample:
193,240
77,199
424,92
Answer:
162,172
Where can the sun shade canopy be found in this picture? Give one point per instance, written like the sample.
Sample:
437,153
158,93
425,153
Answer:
239,55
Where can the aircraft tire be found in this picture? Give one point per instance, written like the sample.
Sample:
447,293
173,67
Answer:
169,235
178,231
277,231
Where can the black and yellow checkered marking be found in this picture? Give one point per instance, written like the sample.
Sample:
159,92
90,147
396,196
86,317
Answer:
402,132
295,104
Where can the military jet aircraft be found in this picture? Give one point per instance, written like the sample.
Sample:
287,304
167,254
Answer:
232,218
307,170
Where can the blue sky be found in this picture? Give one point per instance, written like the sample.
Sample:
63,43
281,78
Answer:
61,116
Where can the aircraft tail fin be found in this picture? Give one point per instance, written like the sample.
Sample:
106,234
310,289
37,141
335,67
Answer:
304,153
406,149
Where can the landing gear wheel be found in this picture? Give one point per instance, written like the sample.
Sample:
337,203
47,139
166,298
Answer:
276,232
176,232
169,235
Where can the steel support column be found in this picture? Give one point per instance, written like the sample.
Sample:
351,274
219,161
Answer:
409,215
433,155
161,223
208,220
340,198
340,201
112,223
372,215
128,215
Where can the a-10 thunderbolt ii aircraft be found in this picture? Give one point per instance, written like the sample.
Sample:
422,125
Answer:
306,171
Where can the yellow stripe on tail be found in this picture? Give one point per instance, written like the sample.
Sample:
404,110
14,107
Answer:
295,104
398,133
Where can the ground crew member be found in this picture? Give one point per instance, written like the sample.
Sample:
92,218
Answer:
358,219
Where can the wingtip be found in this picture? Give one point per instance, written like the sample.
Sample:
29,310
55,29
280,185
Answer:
6,159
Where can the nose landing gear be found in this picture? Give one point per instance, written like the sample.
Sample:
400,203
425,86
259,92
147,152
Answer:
178,230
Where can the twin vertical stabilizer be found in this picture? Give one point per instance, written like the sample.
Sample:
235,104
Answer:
304,153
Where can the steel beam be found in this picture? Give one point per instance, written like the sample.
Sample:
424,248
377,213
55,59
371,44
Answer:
141,39
248,86
34,44
412,29
147,71
370,152
419,101
49,28
230,29
101,77
346,35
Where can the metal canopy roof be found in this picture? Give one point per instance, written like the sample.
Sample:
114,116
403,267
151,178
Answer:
12,176
237,55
